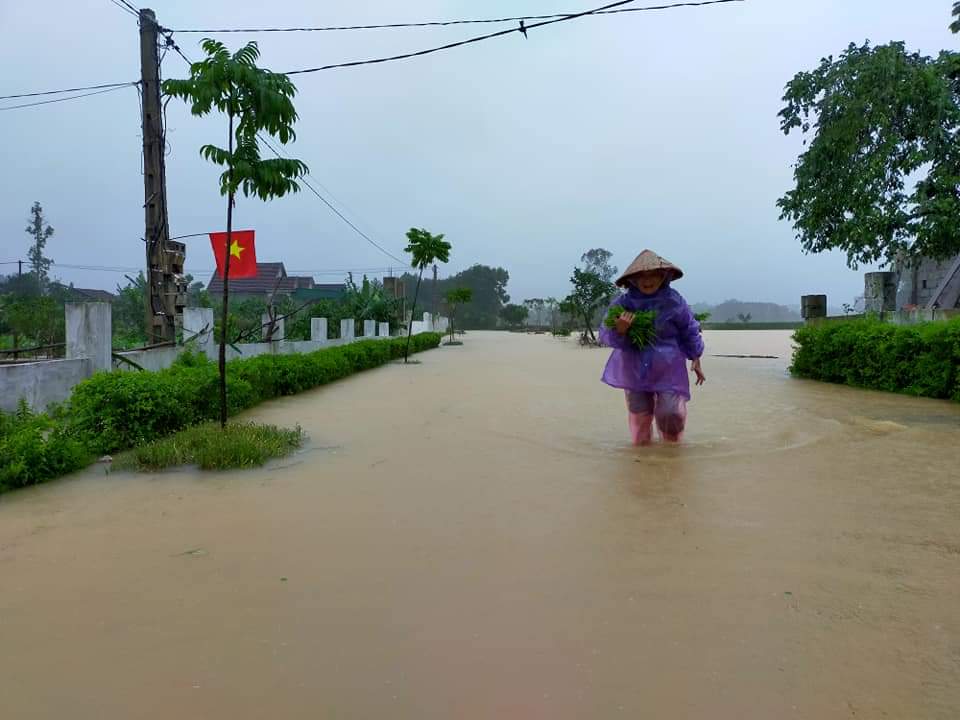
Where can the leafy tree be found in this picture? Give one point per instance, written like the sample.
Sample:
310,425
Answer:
455,298
255,100
880,173
369,301
489,285
536,307
597,261
514,315
40,231
955,25
425,249
744,318
591,293
127,312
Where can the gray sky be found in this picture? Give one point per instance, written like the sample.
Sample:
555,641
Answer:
628,131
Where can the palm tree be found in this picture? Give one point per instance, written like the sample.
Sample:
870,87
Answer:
425,249
255,100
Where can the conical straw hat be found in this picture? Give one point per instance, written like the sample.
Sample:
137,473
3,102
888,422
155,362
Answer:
648,261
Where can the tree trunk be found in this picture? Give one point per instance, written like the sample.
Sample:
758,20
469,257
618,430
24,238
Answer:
416,294
222,358
588,328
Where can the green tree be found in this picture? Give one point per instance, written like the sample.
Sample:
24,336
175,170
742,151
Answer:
514,315
597,261
880,172
40,231
255,100
456,298
744,318
425,249
127,312
591,293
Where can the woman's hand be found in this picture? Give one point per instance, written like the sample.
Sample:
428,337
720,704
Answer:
696,368
624,322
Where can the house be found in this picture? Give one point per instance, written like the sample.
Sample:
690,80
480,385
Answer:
271,280
930,284
92,295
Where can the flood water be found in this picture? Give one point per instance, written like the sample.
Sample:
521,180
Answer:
473,537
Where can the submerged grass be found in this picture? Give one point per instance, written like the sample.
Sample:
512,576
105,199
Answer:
239,445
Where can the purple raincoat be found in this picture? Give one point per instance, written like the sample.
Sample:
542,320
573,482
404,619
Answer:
663,367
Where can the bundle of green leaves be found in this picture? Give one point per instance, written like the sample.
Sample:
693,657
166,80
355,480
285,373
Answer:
642,332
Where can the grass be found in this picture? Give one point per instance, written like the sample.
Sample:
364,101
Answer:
240,445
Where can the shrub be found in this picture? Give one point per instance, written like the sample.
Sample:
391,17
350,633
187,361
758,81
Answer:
921,359
116,411
34,448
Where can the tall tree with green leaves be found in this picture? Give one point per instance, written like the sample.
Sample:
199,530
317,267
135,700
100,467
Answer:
255,100
425,249
880,173
39,229
514,315
597,261
590,295
455,298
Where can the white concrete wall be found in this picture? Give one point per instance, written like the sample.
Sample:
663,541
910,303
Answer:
88,348
41,383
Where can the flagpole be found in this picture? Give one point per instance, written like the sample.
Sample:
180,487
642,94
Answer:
222,357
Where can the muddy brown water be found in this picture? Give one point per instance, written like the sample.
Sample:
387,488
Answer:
472,537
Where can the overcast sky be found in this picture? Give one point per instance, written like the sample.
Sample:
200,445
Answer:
655,129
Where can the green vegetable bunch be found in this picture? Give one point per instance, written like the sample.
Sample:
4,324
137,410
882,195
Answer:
642,332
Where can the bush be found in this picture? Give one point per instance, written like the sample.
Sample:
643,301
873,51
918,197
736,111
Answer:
115,411
922,360
34,448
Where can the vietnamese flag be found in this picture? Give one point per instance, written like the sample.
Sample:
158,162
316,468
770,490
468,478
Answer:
243,255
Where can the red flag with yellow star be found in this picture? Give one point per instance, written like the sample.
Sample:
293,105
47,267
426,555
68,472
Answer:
243,255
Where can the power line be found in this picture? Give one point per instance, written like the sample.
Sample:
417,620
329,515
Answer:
479,38
334,209
447,23
69,90
126,8
72,97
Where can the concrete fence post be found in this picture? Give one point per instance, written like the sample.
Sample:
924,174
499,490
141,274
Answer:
198,328
427,322
369,328
89,333
318,329
813,307
879,292
347,329
383,329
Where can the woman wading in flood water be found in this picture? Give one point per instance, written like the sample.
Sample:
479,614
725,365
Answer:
653,376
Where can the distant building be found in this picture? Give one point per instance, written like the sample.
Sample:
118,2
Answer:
272,280
91,295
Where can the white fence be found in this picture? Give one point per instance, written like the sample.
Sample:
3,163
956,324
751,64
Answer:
88,350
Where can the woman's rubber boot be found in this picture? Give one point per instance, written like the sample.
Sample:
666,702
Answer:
641,428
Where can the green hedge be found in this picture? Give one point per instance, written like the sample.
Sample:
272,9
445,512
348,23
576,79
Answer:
116,411
922,359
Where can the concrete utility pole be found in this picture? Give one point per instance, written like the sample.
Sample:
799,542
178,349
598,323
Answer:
166,291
